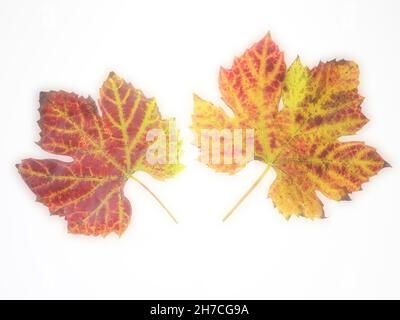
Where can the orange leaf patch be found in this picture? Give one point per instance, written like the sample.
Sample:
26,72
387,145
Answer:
300,141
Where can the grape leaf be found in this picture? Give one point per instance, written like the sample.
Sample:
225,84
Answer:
106,149
299,140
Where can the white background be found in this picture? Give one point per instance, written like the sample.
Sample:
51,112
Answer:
171,49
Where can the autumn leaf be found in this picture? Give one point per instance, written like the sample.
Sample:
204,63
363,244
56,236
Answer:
299,140
106,151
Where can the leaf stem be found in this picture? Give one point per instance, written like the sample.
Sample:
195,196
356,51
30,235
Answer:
155,197
247,193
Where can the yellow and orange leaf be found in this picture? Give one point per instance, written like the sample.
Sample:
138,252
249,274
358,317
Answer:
300,141
106,149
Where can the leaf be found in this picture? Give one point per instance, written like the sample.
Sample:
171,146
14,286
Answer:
300,141
106,150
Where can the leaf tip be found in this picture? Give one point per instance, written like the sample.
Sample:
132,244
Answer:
386,164
43,97
297,61
345,197
222,70
112,74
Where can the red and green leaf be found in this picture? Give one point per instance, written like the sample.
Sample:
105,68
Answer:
300,141
106,149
